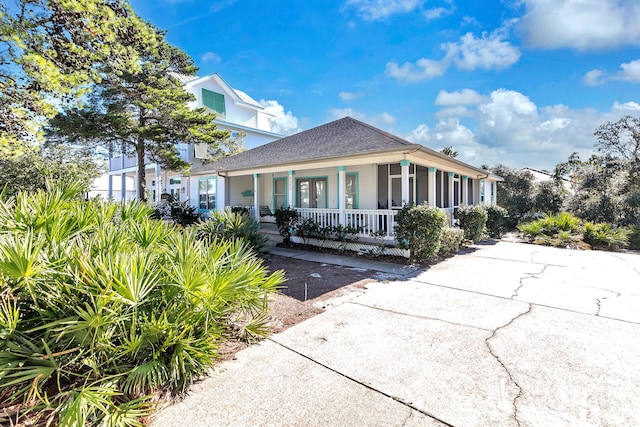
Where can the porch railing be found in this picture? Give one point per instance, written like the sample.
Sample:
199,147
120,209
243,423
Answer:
368,221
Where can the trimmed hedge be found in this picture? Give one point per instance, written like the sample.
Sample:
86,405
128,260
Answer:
451,240
419,229
473,220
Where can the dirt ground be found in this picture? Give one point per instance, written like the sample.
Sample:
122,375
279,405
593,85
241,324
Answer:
310,288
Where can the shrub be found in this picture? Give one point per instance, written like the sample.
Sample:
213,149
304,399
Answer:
634,236
496,220
228,225
286,219
419,229
551,225
473,220
182,213
531,230
310,229
603,235
451,240
102,307
345,234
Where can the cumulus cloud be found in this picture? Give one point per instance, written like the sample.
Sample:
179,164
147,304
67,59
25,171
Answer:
284,122
210,57
507,127
463,97
629,72
381,120
594,78
350,96
580,24
487,52
373,10
423,69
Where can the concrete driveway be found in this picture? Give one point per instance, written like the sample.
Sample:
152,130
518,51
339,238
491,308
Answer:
509,335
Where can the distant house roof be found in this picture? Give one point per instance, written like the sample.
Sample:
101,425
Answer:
341,138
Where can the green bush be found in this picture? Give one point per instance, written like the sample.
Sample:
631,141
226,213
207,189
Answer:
102,307
551,225
634,236
182,213
451,240
286,219
604,236
419,229
310,229
496,220
345,234
473,220
229,225
531,230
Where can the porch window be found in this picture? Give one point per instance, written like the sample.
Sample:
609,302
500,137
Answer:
279,193
351,190
312,192
207,193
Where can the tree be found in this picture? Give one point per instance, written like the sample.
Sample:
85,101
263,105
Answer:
142,112
448,151
515,193
49,53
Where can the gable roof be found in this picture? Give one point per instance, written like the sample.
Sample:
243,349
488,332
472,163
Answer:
341,138
240,96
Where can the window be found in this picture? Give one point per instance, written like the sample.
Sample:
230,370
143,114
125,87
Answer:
312,192
279,193
351,190
214,100
207,193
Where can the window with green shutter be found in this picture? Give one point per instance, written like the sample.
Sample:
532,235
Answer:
213,100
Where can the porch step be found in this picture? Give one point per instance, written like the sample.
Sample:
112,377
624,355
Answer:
271,231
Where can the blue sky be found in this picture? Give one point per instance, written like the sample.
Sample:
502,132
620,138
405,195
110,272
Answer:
518,82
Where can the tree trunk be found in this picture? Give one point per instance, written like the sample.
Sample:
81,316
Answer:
141,170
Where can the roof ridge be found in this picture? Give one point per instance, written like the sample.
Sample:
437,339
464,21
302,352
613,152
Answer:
380,131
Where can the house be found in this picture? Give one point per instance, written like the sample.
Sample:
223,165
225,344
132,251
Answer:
344,172
542,176
109,187
235,111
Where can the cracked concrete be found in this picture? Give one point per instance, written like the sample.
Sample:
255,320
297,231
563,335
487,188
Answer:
502,363
476,340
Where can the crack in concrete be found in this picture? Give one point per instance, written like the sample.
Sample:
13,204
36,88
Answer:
386,310
513,381
528,276
367,386
406,420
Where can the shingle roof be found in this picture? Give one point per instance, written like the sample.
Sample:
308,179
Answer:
342,137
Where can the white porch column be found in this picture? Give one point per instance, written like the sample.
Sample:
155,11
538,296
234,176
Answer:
494,193
465,189
110,187
431,189
291,188
221,193
342,172
123,186
256,195
404,164
450,186
158,183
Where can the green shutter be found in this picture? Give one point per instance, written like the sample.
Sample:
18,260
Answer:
213,100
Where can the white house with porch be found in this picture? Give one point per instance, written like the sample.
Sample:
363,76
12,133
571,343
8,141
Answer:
343,172
235,111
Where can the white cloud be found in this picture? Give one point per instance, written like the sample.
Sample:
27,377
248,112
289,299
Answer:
220,5
439,12
381,120
350,96
630,71
463,97
487,52
284,123
581,24
423,69
594,78
373,10
210,57
508,127
490,51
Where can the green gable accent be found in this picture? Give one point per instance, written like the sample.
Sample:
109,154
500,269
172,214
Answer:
404,163
213,100
432,169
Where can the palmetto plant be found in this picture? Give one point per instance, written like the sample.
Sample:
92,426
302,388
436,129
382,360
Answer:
102,307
